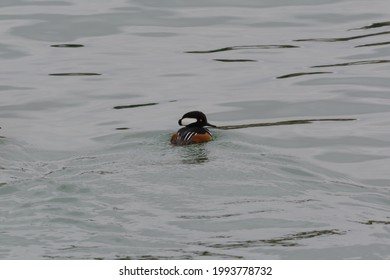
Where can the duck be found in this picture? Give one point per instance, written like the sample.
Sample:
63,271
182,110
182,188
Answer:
194,130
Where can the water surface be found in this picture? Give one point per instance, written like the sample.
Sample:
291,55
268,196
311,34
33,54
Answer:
91,91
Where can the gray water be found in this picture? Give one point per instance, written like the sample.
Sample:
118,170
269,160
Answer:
91,91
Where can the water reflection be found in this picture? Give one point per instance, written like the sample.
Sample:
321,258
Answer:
249,47
134,105
67,46
373,44
194,154
374,25
75,74
289,122
362,62
235,60
342,39
301,74
289,240
373,222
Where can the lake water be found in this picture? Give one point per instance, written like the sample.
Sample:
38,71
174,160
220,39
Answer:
91,91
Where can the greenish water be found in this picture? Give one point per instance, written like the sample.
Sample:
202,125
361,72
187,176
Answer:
91,93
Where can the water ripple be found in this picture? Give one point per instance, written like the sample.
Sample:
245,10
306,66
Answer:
373,44
374,25
69,74
234,60
134,105
285,241
67,46
289,122
87,170
362,62
301,74
342,39
248,47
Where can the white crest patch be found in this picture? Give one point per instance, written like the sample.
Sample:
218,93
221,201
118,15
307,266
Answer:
187,121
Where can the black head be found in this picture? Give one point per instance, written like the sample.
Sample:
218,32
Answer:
194,119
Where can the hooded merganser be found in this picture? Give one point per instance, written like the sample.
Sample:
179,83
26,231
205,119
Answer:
194,131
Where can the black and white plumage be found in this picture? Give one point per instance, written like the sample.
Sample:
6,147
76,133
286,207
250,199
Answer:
194,131
187,135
